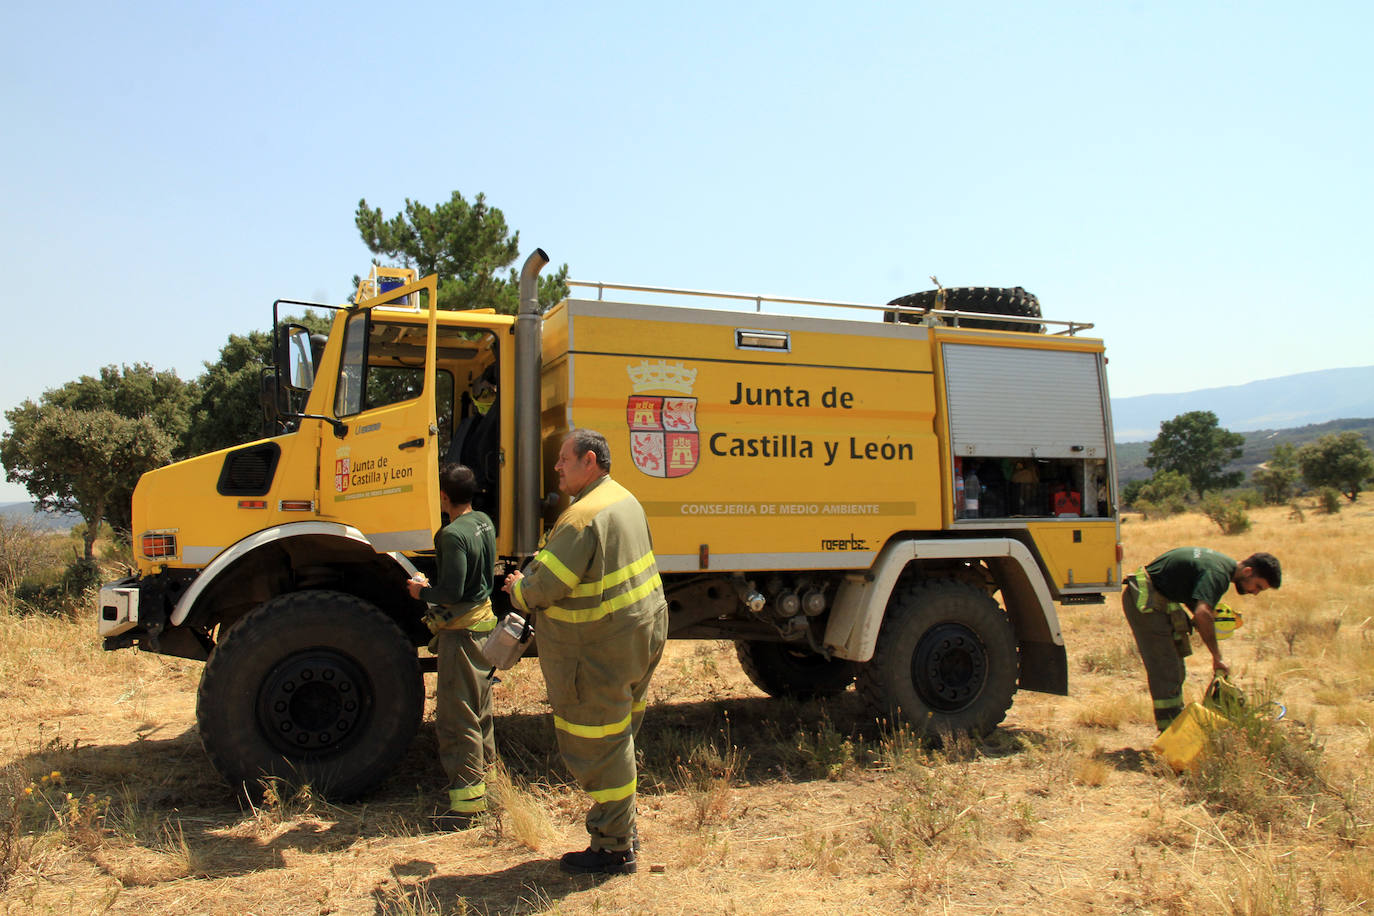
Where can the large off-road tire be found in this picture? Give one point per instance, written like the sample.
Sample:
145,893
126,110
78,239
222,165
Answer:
318,688
780,670
987,299
945,662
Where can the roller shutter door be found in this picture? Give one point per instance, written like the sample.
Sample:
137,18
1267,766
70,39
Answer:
1009,402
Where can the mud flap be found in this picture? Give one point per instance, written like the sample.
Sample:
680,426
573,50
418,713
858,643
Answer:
1044,668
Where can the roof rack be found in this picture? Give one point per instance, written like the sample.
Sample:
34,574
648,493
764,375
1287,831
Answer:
927,317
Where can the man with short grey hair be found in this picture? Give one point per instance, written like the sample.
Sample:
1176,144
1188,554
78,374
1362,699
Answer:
602,623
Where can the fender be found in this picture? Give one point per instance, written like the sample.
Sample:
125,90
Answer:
861,601
225,559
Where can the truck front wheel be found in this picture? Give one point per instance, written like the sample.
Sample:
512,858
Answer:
945,662
316,688
780,670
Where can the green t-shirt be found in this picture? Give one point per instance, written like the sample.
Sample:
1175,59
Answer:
1187,575
467,558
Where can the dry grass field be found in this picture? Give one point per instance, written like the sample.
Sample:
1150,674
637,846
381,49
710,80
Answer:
748,805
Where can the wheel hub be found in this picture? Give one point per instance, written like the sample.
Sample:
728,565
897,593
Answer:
312,702
949,667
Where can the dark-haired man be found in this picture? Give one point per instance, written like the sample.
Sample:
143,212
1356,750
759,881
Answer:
460,616
601,628
1177,593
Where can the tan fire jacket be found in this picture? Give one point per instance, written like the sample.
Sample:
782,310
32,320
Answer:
598,561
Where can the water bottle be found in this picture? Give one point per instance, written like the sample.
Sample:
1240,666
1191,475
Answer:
972,490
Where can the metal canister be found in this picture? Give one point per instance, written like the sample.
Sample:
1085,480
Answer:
503,648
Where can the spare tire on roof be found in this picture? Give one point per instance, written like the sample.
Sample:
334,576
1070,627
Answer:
989,300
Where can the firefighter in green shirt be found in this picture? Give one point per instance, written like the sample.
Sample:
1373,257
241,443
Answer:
602,622
460,616
1176,593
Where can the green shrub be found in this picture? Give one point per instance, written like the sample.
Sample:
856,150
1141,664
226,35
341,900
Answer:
60,595
1328,500
1163,495
1229,514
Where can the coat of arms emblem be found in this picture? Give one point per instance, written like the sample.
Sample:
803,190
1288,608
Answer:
664,441
343,467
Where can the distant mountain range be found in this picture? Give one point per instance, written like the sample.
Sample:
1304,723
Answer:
1275,403
25,512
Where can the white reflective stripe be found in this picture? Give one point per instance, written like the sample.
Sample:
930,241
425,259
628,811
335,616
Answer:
196,555
414,539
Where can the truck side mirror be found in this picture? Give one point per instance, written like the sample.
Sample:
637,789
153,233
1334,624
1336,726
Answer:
295,358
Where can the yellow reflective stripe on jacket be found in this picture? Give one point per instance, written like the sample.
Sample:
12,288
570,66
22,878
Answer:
591,731
555,566
616,794
569,615
638,706
612,579
485,626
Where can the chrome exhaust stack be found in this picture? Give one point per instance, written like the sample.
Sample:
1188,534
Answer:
528,369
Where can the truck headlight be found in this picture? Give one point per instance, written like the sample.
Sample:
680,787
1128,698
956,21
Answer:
158,545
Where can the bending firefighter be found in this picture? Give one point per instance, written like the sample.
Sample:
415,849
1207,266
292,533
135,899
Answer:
601,628
1176,593
460,616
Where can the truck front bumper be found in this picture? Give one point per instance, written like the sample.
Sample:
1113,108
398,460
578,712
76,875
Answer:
118,607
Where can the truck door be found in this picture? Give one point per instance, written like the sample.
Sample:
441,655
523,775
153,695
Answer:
382,477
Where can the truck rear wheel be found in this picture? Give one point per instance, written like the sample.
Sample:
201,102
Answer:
945,662
988,299
780,670
316,688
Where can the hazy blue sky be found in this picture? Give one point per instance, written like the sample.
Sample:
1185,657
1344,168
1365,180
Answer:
1195,178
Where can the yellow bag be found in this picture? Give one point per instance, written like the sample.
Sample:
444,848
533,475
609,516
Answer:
1183,743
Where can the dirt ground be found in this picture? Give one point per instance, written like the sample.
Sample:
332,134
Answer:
748,804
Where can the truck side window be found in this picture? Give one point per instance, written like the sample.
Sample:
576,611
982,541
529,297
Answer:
348,399
382,363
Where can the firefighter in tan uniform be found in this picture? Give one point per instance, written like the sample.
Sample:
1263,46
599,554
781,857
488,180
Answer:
601,628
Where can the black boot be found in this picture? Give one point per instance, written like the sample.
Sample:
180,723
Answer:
600,862
452,820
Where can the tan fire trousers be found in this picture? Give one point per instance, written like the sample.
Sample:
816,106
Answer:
462,722
597,688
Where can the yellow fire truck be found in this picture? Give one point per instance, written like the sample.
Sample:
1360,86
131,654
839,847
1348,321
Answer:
899,496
